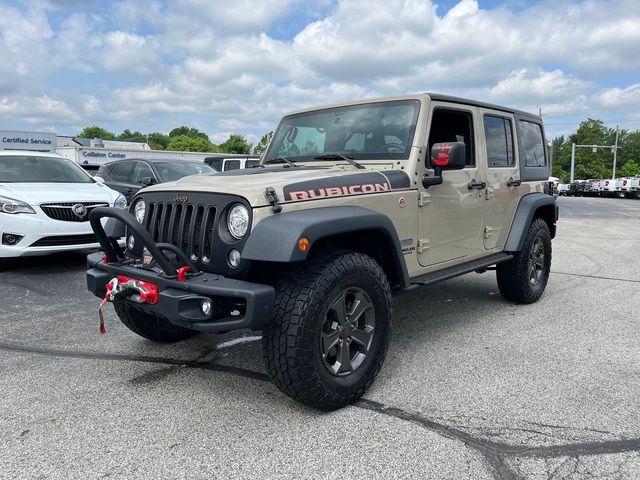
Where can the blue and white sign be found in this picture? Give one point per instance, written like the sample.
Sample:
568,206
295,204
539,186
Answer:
103,155
13,140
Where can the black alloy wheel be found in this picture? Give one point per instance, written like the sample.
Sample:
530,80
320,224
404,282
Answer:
347,331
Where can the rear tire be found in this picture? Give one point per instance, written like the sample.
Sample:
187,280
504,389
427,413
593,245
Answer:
149,326
331,330
524,278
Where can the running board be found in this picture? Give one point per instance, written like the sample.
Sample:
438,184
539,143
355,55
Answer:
461,269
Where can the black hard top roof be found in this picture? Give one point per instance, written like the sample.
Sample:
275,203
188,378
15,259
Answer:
466,101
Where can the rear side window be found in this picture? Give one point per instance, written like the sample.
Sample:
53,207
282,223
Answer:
532,144
122,172
231,165
499,140
215,163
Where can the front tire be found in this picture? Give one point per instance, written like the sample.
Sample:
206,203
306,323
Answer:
331,330
524,278
149,326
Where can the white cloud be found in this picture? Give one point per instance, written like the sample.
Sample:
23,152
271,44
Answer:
130,54
215,65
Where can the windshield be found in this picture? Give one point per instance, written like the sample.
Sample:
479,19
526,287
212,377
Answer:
28,169
373,131
170,172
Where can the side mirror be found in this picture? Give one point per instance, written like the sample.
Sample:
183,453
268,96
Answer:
147,181
448,156
445,156
98,179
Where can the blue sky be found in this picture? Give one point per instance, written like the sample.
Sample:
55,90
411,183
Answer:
236,67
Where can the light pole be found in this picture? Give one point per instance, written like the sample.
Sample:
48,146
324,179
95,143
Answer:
594,149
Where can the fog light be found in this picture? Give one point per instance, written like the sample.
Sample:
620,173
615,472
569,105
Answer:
131,242
11,238
234,258
205,307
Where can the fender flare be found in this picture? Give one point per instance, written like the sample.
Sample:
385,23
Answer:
275,239
524,216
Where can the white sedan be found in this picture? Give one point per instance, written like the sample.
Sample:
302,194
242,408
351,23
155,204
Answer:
45,201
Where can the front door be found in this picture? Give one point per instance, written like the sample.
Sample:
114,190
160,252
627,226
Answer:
502,176
452,214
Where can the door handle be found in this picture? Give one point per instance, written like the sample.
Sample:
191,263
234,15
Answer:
477,185
514,183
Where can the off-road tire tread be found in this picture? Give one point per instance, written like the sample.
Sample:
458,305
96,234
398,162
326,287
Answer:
150,326
300,294
513,276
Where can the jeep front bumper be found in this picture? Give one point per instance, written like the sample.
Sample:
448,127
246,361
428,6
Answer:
235,303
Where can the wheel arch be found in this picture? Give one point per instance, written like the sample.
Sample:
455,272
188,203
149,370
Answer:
533,205
275,239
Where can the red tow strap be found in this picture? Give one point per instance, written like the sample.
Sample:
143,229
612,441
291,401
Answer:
107,295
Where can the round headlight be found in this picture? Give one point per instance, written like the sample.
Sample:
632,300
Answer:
139,211
238,221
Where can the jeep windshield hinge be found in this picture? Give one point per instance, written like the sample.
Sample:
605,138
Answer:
425,198
272,197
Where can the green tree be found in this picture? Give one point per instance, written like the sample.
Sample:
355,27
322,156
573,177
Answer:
261,147
129,136
158,141
235,144
185,143
95,131
629,169
189,132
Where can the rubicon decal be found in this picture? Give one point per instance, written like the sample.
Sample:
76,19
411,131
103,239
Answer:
358,184
339,191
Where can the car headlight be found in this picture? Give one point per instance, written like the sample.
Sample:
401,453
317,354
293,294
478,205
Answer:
238,221
10,205
139,210
120,202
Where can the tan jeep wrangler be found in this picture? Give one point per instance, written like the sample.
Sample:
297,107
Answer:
350,202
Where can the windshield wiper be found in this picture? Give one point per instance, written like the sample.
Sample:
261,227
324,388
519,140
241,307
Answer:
281,160
339,156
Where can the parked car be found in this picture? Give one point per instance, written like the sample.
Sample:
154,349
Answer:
607,188
308,248
563,189
223,163
45,201
592,188
576,188
631,189
129,176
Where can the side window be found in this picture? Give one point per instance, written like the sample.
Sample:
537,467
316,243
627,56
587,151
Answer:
122,172
497,132
453,126
104,171
532,144
231,165
141,171
251,163
215,163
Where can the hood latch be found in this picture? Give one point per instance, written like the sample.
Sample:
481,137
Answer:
272,197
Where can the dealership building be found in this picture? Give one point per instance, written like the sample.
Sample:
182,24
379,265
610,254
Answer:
87,151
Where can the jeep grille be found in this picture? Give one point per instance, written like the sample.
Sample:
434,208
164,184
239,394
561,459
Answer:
189,227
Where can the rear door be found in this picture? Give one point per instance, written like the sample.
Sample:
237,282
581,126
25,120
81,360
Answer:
502,176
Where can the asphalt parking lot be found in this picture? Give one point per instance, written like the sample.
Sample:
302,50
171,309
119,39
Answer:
473,386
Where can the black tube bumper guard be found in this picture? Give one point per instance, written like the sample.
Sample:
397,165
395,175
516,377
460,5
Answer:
244,304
